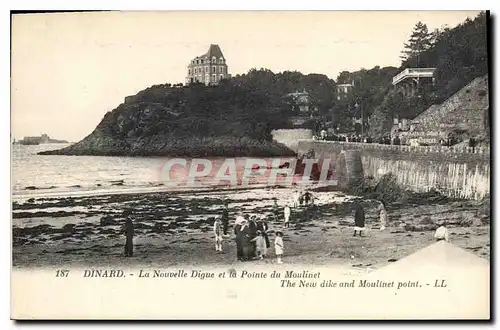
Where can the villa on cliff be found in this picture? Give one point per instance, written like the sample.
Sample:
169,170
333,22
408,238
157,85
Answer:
209,68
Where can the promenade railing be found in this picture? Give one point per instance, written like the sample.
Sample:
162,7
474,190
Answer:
409,148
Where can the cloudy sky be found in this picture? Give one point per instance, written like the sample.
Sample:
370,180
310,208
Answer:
68,70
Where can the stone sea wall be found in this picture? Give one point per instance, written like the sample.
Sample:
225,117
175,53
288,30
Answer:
291,137
455,174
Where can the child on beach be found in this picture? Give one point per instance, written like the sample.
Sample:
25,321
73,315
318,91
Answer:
278,246
260,243
287,215
218,231
383,215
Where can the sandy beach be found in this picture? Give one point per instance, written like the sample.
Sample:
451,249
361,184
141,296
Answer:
175,229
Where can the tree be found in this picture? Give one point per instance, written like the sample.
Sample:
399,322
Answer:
420,41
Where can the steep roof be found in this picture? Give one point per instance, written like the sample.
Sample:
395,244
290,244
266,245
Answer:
214,50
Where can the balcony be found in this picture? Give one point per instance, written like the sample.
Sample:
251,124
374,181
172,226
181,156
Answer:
413,73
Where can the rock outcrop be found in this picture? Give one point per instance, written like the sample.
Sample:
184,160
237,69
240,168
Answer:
191,121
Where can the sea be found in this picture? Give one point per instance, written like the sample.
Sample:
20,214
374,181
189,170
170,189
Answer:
34,176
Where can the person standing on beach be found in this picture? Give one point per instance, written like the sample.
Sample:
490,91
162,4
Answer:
218,234
276,211
383,215
252,232
279,246
287,212
263,226
239,219
225,219
260,244
246,241
129,235
307,197
441,234
296,197
359,219
239,238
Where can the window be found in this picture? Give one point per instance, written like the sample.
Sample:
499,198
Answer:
213,69
345,89
221,77
206,69
214,78
189,72
221,60
221,69
214,60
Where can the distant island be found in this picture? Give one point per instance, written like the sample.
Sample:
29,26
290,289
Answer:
36,140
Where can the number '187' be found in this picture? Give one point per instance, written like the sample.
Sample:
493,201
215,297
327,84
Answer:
62,273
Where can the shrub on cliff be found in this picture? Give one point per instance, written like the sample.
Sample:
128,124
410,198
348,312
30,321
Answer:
385,189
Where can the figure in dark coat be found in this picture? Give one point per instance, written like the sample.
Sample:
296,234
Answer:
264,227
239,241
246,242
359,219
307,198
252,233
225,219
129,234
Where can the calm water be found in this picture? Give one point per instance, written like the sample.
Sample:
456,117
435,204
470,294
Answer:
47,175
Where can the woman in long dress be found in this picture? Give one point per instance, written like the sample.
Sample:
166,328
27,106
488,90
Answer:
383,215
252,233
263,226
239,239
359,219
246,242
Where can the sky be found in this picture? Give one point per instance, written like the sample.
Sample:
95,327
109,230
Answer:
69,69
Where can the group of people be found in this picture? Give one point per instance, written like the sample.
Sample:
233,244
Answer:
343,138
441,233
251,235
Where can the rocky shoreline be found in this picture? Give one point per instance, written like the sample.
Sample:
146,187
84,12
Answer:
100,144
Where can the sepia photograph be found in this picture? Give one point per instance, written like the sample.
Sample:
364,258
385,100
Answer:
229,164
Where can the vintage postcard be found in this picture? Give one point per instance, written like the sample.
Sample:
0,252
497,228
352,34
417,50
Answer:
250,165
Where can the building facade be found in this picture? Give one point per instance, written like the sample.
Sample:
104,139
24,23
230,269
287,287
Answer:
209,68
344,91
414,80
301,101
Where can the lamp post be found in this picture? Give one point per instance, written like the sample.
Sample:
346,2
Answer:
362,121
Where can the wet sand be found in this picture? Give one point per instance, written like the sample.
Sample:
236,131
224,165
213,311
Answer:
175,229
